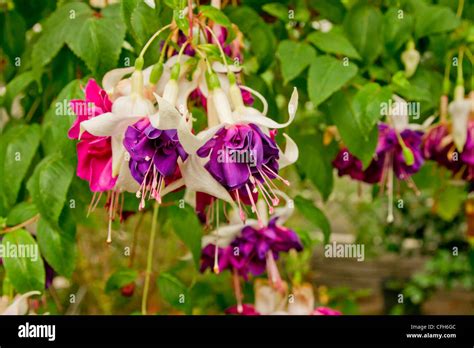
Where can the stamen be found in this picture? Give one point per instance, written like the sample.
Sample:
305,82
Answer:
216,250
390,217
286,182
272,269
254,206
241,212
238,291
275,199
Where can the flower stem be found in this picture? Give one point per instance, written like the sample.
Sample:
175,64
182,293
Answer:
150,40
149,259
223,56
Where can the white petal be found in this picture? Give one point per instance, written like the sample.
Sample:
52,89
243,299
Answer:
267,299
132,106
125,180
112,78
167,116
291,153
459,111
198,179
222,103
118,154
190,142
20,304
107,124
259,96
264,121
172,186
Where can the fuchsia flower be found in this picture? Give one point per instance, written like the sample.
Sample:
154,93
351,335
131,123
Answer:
94,153
154,157
388,148
439,146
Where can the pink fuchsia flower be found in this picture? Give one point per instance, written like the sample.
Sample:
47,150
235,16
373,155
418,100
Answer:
246,309
325,311
94,153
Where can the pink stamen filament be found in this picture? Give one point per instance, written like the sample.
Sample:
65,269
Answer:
238,291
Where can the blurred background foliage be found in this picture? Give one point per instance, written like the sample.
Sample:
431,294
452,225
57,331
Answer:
46,58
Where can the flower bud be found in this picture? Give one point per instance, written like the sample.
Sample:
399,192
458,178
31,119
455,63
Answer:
156,73
410,58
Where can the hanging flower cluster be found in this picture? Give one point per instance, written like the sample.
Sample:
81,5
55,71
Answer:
398,153
137,135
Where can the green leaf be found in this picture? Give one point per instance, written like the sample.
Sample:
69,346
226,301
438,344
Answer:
333,42
314,215
397,29
120,278
174,291
57,27
326,76
332,10
57,121
406,89
186,225
216,15
18,147
367,104
315,163
434,19
98,41
21,213
363,26
58,246
16,86
294,58
13,33
344,119
261,37
450,202
26,273
144,22
277,10
48,187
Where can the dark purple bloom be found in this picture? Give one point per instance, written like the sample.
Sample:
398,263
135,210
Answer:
153,156
388,147
238,152
247,253
439,146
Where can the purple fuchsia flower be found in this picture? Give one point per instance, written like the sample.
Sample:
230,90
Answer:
389,149
439,146
237,159
249,249
154,155
398,153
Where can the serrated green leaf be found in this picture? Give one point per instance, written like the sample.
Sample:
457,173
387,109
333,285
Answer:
120,278
294,58
144,22
186,225
18,146
326,76
57,27
25,272
363,27
349,130
16,86
367,104
58,246
97,40
314,215
333,42
48,187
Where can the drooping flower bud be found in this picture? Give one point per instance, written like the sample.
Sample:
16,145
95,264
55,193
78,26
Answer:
410,58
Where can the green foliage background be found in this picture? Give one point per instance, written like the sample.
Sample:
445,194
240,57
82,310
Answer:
49,49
